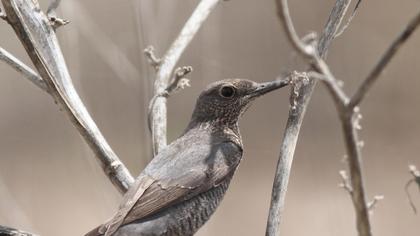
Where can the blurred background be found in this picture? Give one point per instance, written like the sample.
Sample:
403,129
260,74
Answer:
51,184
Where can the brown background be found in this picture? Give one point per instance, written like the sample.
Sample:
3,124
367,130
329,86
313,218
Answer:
50,183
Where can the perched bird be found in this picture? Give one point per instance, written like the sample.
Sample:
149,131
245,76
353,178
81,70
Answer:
182,186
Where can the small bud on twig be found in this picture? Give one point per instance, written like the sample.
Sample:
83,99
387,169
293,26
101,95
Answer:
177,83
154,61
345,184
372,204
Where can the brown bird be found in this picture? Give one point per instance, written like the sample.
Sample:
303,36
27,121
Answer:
182,186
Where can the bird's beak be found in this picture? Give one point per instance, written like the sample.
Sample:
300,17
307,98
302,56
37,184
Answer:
263,88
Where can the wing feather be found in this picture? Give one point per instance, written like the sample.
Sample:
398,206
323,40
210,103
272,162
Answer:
171,188
175,175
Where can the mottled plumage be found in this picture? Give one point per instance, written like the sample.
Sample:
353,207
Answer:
182,186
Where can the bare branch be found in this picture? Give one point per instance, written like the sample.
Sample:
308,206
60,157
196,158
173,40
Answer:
38,37
333,85
353,14
296,116
6,231
355,169
20,67
286,20
415,179
346,117
169,61
332,26
385,59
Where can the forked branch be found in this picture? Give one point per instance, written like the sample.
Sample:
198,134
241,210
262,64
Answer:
349,115
165,67
25,70
300,97
37,35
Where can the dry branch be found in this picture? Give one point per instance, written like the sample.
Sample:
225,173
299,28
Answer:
297,112
6,231
385,59
166,67
20,67
415,179
40,41
349,117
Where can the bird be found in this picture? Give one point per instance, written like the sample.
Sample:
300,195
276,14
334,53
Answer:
184,183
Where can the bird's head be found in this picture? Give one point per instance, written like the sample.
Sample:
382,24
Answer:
223,102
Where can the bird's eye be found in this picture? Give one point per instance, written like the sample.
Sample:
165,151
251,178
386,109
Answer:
227,91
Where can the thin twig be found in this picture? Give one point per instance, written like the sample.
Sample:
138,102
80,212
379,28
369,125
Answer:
296,116
385,59
169,61
349,116
345,182
154,61
372,204
286,20
177,83
407,192
25,70
415,179
353,14
40,41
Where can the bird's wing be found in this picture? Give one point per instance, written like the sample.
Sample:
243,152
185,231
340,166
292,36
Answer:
176,174
142,183
190,173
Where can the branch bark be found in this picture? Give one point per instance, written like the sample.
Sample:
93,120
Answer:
166,67
6,231
37,35
297,112
25,70
349,116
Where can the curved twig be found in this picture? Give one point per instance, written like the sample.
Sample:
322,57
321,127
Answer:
407,192
166,67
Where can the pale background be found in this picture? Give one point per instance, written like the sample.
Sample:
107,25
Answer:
50,183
